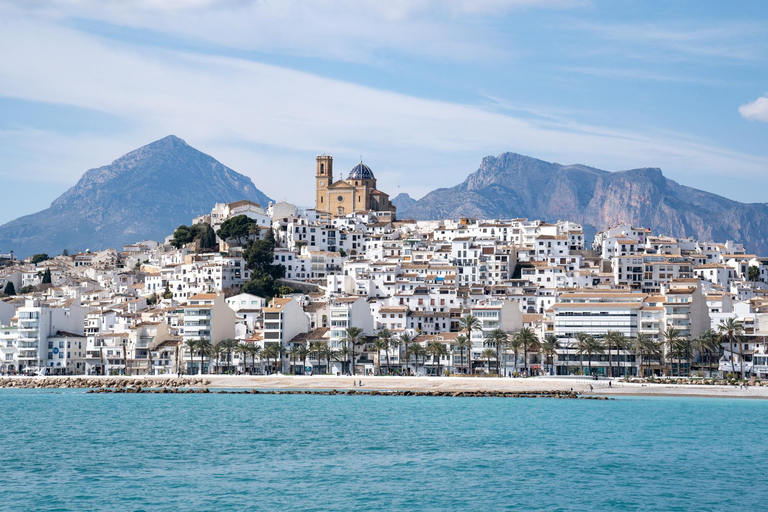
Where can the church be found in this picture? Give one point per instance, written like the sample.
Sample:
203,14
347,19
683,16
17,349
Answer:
356,194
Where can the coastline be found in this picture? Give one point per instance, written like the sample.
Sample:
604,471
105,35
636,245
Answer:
385,383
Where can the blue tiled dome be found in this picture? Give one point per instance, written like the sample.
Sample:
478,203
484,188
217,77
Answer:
360,172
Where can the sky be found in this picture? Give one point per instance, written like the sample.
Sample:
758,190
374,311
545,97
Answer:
422,90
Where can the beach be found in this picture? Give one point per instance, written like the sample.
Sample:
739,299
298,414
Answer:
579,385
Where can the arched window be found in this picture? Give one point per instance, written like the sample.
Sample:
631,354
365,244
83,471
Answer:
322,168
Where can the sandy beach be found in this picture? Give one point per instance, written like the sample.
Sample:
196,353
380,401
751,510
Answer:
580,385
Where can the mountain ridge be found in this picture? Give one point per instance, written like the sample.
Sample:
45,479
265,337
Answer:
144,194
514,185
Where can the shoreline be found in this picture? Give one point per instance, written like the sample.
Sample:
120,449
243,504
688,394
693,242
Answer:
394,384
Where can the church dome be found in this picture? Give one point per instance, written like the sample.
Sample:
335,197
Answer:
361,172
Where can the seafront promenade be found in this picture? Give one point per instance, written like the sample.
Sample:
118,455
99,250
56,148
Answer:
614,388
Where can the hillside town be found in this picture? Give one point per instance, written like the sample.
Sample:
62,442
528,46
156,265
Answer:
348,288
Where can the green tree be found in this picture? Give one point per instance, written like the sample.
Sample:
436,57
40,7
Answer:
191,346
380,344
549,346
184,235
529,341
9,289
731,332
217,351
489,354
39,258
238,228
342,252
353,336
498,339
591,346
437,350
581,338
385,335
293,354
207,238
469,323
26,289
462,344
167,294
47,276
65,252
671,340
242,350
753,273
230,345
614,339
404,339
514,343
303,354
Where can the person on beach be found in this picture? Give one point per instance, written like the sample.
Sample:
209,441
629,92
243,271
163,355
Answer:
591,389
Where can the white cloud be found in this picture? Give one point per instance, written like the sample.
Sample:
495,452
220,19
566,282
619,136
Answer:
756,110
266,121
348,30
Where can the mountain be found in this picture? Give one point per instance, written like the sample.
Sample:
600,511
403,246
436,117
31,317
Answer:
512,185
402,201
144,194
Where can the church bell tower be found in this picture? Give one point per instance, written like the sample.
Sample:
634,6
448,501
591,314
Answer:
323,179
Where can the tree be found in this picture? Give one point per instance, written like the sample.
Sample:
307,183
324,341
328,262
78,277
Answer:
259,256
152,300
26,289
405,339
254,351
639,347
591,346
293,353
581,338
385,335
469,323
353,336
528,340
47,276
614,339
238,228
207,238
184,235
242,350
437,350
342,252
514,343
497,338
379,344
65,252
489,354
303,354
205,349
39,258
731,332
167,294
753,273
462,344
549,346
217,351
671,340
9,290
229,346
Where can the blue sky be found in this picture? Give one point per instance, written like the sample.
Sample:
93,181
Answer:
422,89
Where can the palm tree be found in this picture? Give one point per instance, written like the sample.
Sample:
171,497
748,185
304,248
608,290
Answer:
639,347
327,352
218,350
242,350
549,347
417,349
191,346
731,331
405,339
380,344
271,351
515,343
528,340
386,337
671,340
581,338
293,353
489,354
591,346
344,354
462,343
499,338
469,323
352,337
437,350
303,354
410,351
316,350
611,341
229,346
254,351
706,343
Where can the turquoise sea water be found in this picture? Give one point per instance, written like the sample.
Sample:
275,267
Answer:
67,450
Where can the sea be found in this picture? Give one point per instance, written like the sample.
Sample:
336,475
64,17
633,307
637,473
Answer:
66,450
